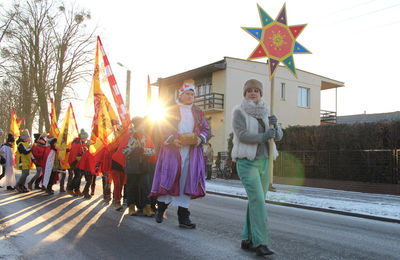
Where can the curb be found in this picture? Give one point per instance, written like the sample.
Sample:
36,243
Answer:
358,215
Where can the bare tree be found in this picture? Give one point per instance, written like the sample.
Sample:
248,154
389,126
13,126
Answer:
73,51
46,48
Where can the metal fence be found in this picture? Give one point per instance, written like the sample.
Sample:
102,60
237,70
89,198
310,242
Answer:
376,166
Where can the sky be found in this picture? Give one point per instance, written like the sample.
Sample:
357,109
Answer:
353,41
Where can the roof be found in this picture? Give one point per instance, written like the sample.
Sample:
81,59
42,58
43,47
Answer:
326,83
197,72
369,118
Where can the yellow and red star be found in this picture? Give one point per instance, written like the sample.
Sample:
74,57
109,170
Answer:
277,41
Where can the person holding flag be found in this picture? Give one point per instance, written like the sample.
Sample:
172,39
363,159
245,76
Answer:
78,147
38,152
137,168
24,159
51,166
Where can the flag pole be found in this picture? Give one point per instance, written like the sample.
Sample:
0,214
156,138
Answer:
271,141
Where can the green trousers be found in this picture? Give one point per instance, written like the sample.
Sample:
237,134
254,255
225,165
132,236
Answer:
255,178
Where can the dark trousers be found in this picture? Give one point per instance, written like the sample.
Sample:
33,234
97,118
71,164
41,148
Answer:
62,180
38,181
208,171
89,181
70,178
51,181
137,190
76,181
106,186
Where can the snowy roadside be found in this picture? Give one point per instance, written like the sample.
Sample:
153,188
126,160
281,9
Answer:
379,205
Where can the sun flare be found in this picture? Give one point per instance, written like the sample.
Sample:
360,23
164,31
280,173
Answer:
156,110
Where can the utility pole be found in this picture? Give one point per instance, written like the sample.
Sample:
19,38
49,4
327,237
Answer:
128,85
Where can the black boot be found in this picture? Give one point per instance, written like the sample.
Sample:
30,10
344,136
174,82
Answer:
49,188
263,250
184,220
37,183
160,211
247,245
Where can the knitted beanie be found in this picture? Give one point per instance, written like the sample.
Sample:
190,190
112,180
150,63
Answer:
252,83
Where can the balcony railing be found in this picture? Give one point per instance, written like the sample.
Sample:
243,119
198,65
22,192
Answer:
210,102
328,117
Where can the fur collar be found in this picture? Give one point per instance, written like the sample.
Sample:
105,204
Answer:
259,110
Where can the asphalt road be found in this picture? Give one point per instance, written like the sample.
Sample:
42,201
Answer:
37,226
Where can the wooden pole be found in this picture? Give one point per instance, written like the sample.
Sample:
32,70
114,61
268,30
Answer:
271,141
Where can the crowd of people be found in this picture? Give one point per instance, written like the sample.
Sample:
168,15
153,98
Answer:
151,176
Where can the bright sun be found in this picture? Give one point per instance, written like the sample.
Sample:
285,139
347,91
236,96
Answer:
156,110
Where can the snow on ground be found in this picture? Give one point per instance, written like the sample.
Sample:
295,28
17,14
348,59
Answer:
380,205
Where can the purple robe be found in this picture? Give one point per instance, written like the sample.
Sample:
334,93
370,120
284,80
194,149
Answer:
168,168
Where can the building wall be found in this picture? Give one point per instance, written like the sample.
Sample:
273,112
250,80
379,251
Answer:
217,122
230,83
287,111
238,72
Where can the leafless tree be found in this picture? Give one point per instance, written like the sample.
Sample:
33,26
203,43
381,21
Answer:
45,48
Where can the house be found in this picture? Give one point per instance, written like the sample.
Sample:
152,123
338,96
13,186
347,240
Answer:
219,88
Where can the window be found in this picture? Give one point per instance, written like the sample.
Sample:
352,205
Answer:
303,97
203,86
283,85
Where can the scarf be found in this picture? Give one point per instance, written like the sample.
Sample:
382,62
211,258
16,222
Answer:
259,110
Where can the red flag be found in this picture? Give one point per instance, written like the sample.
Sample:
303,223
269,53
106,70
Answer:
122,111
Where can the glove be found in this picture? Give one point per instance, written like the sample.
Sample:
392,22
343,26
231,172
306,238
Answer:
273,120
270,133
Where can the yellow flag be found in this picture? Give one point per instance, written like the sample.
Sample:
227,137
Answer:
54,131
15,125
104,115
15,128
69,131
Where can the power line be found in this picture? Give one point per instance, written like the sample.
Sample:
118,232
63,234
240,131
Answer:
373,12
352,7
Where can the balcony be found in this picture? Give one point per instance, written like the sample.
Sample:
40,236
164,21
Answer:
212,102
328,117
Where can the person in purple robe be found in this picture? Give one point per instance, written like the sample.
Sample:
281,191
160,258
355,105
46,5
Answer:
180,170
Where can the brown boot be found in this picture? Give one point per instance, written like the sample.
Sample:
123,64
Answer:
78,193
132,210
117,205
148,211
71,192
30,184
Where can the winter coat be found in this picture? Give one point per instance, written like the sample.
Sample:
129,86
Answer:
241,149
87,163
76,152
9,179
24,155
137,154
38,151
51,164
168,167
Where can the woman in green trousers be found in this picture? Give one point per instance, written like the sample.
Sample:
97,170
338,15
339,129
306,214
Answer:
251,125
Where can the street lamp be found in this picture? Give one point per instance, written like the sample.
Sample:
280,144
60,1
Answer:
128,84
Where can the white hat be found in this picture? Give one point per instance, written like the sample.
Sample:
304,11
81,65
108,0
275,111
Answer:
185,87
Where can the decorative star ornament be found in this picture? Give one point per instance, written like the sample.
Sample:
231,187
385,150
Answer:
277,41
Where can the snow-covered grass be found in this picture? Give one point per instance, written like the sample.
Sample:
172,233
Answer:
379,205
